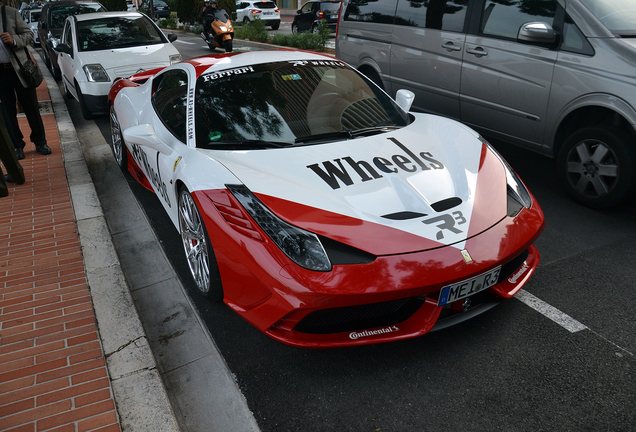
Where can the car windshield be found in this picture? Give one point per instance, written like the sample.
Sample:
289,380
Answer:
619,16
35,16
116,32
289,103
58,15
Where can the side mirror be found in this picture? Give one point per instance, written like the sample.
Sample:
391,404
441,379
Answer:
537,32
404,99
298,12
64,48
144,135
172,37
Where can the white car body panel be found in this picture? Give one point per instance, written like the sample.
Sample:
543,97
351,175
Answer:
285,174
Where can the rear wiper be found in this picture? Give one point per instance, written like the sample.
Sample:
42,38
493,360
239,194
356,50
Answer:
250,144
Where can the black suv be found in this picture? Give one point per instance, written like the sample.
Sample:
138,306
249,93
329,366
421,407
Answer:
52,22
313,12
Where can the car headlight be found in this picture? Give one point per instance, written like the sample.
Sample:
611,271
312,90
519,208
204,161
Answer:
517,191
96,73
176,58
302,247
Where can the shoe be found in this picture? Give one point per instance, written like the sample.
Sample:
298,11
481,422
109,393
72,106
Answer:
8,179
43,149
19,153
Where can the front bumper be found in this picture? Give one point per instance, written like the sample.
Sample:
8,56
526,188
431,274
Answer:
392,298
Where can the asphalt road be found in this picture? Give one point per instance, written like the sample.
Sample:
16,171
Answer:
568,364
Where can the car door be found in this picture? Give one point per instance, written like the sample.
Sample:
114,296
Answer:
305,17
426,53
66,61
169,102
505,84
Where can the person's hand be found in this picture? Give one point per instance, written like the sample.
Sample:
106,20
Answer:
7,39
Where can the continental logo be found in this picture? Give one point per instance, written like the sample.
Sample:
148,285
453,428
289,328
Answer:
338,174
358,335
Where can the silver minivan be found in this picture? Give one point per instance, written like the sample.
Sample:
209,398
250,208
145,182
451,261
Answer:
554,76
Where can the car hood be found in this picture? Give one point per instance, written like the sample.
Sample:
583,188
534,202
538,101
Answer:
431,184
117,62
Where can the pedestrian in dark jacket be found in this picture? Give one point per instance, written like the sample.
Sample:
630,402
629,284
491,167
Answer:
15,36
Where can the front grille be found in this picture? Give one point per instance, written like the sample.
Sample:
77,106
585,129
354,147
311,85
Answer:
353,318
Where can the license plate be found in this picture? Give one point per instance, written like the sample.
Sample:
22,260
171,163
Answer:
334,16
468,287
268,13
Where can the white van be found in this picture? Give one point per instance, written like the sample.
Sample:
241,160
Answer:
554,76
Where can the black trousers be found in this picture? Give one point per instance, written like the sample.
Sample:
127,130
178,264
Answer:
8,157
9,89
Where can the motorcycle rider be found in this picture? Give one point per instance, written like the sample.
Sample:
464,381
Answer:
209,8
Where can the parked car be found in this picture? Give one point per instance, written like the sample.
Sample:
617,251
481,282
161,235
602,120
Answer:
32,17
317,207
161,9
534,74
248,11
51,22
309,17
95,49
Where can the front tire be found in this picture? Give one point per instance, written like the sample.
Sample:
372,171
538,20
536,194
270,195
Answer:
227,45
118,146
294,29
198,249
596,164
315,29
86,113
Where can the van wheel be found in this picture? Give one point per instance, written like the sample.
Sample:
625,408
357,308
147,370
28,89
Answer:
315,29
294,29
596,164
373,76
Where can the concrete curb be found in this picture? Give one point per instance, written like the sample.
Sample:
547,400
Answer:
165,369
140,397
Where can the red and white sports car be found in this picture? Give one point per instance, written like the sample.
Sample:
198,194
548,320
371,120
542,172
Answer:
317,207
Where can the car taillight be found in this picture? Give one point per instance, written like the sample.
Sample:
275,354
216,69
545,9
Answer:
255,11
276,10
320,15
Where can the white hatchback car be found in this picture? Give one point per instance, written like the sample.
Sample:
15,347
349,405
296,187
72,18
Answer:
97,48
31,17
248,11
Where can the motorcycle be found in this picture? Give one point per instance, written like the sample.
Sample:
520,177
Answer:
223,32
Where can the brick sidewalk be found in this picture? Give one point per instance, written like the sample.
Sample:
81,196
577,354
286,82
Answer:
53,375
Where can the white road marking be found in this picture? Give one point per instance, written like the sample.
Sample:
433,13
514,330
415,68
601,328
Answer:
564,320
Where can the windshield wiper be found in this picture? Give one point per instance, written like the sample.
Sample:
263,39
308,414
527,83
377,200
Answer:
325,136
250,144
372,130
346,134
